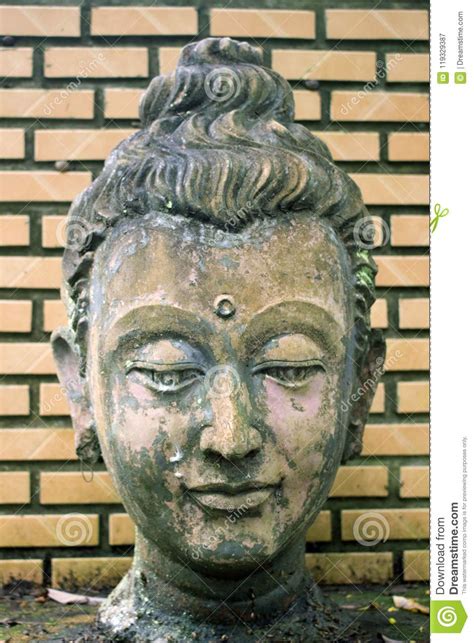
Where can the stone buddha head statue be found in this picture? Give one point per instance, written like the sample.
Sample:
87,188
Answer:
218,304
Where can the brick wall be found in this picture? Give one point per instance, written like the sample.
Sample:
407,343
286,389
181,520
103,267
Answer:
73,77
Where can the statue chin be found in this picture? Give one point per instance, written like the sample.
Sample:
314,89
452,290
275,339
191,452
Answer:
219,323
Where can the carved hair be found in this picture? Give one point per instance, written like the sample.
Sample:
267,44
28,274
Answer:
218,144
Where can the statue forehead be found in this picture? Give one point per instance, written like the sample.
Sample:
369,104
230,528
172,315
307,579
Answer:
197,267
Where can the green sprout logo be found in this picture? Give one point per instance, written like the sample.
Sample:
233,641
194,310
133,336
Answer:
439,214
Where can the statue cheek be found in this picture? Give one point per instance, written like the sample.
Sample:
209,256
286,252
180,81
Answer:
295,415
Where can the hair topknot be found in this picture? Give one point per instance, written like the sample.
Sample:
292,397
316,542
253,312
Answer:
218,144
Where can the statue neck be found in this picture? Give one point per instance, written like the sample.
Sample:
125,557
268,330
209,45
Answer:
174,586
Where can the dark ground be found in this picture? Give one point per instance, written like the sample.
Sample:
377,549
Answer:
27,615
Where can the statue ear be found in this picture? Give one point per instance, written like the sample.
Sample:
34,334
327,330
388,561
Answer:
370,372
68,365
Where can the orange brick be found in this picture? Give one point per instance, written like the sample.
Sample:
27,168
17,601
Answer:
121,530
30,272
46,103
379,106
12,143
416,565
413,397
94,573
410,230
403,271
53,400
53,230
28,20
307,105
350,568
15,399
393,189
379,314
96,62
378,403
144,21
15,316
122,103
352,146
297,64
371,24
69,487
14,487
17,62
68,530
28,358
396,439
14,230
79,144
54,315
169,57
407,355
414,482
263,23
414,313
359,481
405,67
395,524
409,146
14,570
42,186
37,444
321,530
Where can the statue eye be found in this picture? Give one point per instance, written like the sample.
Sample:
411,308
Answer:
291,375
166,380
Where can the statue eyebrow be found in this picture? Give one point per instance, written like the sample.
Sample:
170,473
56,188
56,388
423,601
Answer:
161,322
290,318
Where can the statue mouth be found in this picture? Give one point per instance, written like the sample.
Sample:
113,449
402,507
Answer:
237,499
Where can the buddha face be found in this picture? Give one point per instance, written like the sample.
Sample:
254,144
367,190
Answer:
218,364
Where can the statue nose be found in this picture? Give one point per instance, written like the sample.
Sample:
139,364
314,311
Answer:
231,434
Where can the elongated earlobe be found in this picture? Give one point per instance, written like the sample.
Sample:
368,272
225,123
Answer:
68,366
370,374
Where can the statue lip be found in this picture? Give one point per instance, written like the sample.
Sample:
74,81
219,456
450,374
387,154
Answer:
232,489
242,497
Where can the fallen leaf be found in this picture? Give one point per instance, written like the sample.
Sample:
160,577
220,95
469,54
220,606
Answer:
410,605
66,598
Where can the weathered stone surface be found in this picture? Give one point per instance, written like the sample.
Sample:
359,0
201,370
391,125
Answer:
218,354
